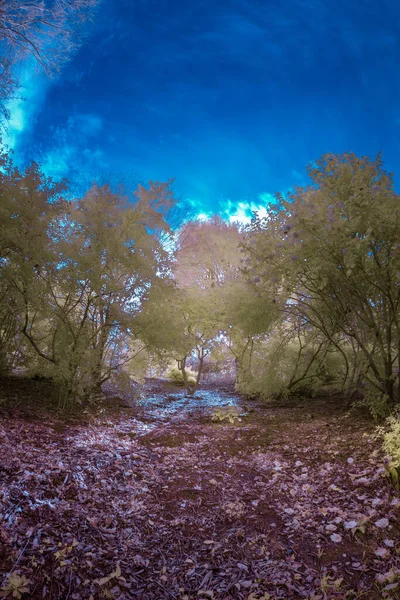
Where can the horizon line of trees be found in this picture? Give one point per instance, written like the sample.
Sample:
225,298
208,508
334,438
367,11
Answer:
304,299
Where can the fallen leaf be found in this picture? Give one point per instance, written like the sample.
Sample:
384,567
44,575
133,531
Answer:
382,523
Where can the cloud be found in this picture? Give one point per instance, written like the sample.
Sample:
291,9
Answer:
243,212
71,145
25,104
203,216
74,153
234,212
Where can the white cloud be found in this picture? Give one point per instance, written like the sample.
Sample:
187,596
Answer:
242,212
234,212
203,216
25,104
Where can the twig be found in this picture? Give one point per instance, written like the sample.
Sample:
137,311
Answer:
170,594
20,556
70,584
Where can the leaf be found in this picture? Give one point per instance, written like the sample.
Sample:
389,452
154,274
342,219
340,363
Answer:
114,574
391,587
382,552
16,586
382,523
338,582
103,580
208,593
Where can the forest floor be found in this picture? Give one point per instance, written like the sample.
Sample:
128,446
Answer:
151,499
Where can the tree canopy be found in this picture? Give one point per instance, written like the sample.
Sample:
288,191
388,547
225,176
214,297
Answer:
305,297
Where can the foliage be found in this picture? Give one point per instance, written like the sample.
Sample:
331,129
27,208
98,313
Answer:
176,375
229,413
16,586
391,444
290,361
32,28
216,307
189,321
304,299
73,275
376,402
329,255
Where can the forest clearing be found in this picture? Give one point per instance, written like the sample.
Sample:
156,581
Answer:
199,342
155,500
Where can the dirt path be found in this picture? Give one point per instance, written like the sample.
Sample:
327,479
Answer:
159,501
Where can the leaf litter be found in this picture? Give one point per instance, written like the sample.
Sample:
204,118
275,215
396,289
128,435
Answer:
125,505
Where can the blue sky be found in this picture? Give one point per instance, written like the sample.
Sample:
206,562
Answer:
231,98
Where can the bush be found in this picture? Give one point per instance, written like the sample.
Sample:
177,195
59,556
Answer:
280,367
176,376
376,402
274,365
391,445
229,413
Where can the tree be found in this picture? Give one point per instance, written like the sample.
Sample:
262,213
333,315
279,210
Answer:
330,254
29,203
211,304
185,323
109,255
73,274
207,264
180,324
208,253
47,31
248,315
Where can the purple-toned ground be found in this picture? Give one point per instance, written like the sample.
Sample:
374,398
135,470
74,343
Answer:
149,498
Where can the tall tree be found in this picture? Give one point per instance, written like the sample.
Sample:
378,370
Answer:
210,304
109,255
331,253
29,205
73,274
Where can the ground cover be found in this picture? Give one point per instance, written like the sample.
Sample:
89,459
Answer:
150,498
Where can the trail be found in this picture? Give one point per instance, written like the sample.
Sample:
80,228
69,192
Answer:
155,501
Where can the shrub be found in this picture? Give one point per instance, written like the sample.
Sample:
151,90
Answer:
376,403
274,365
391,445
228,413
176,376
282,364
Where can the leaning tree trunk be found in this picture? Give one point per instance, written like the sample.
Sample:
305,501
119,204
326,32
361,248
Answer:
182,368
199,371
